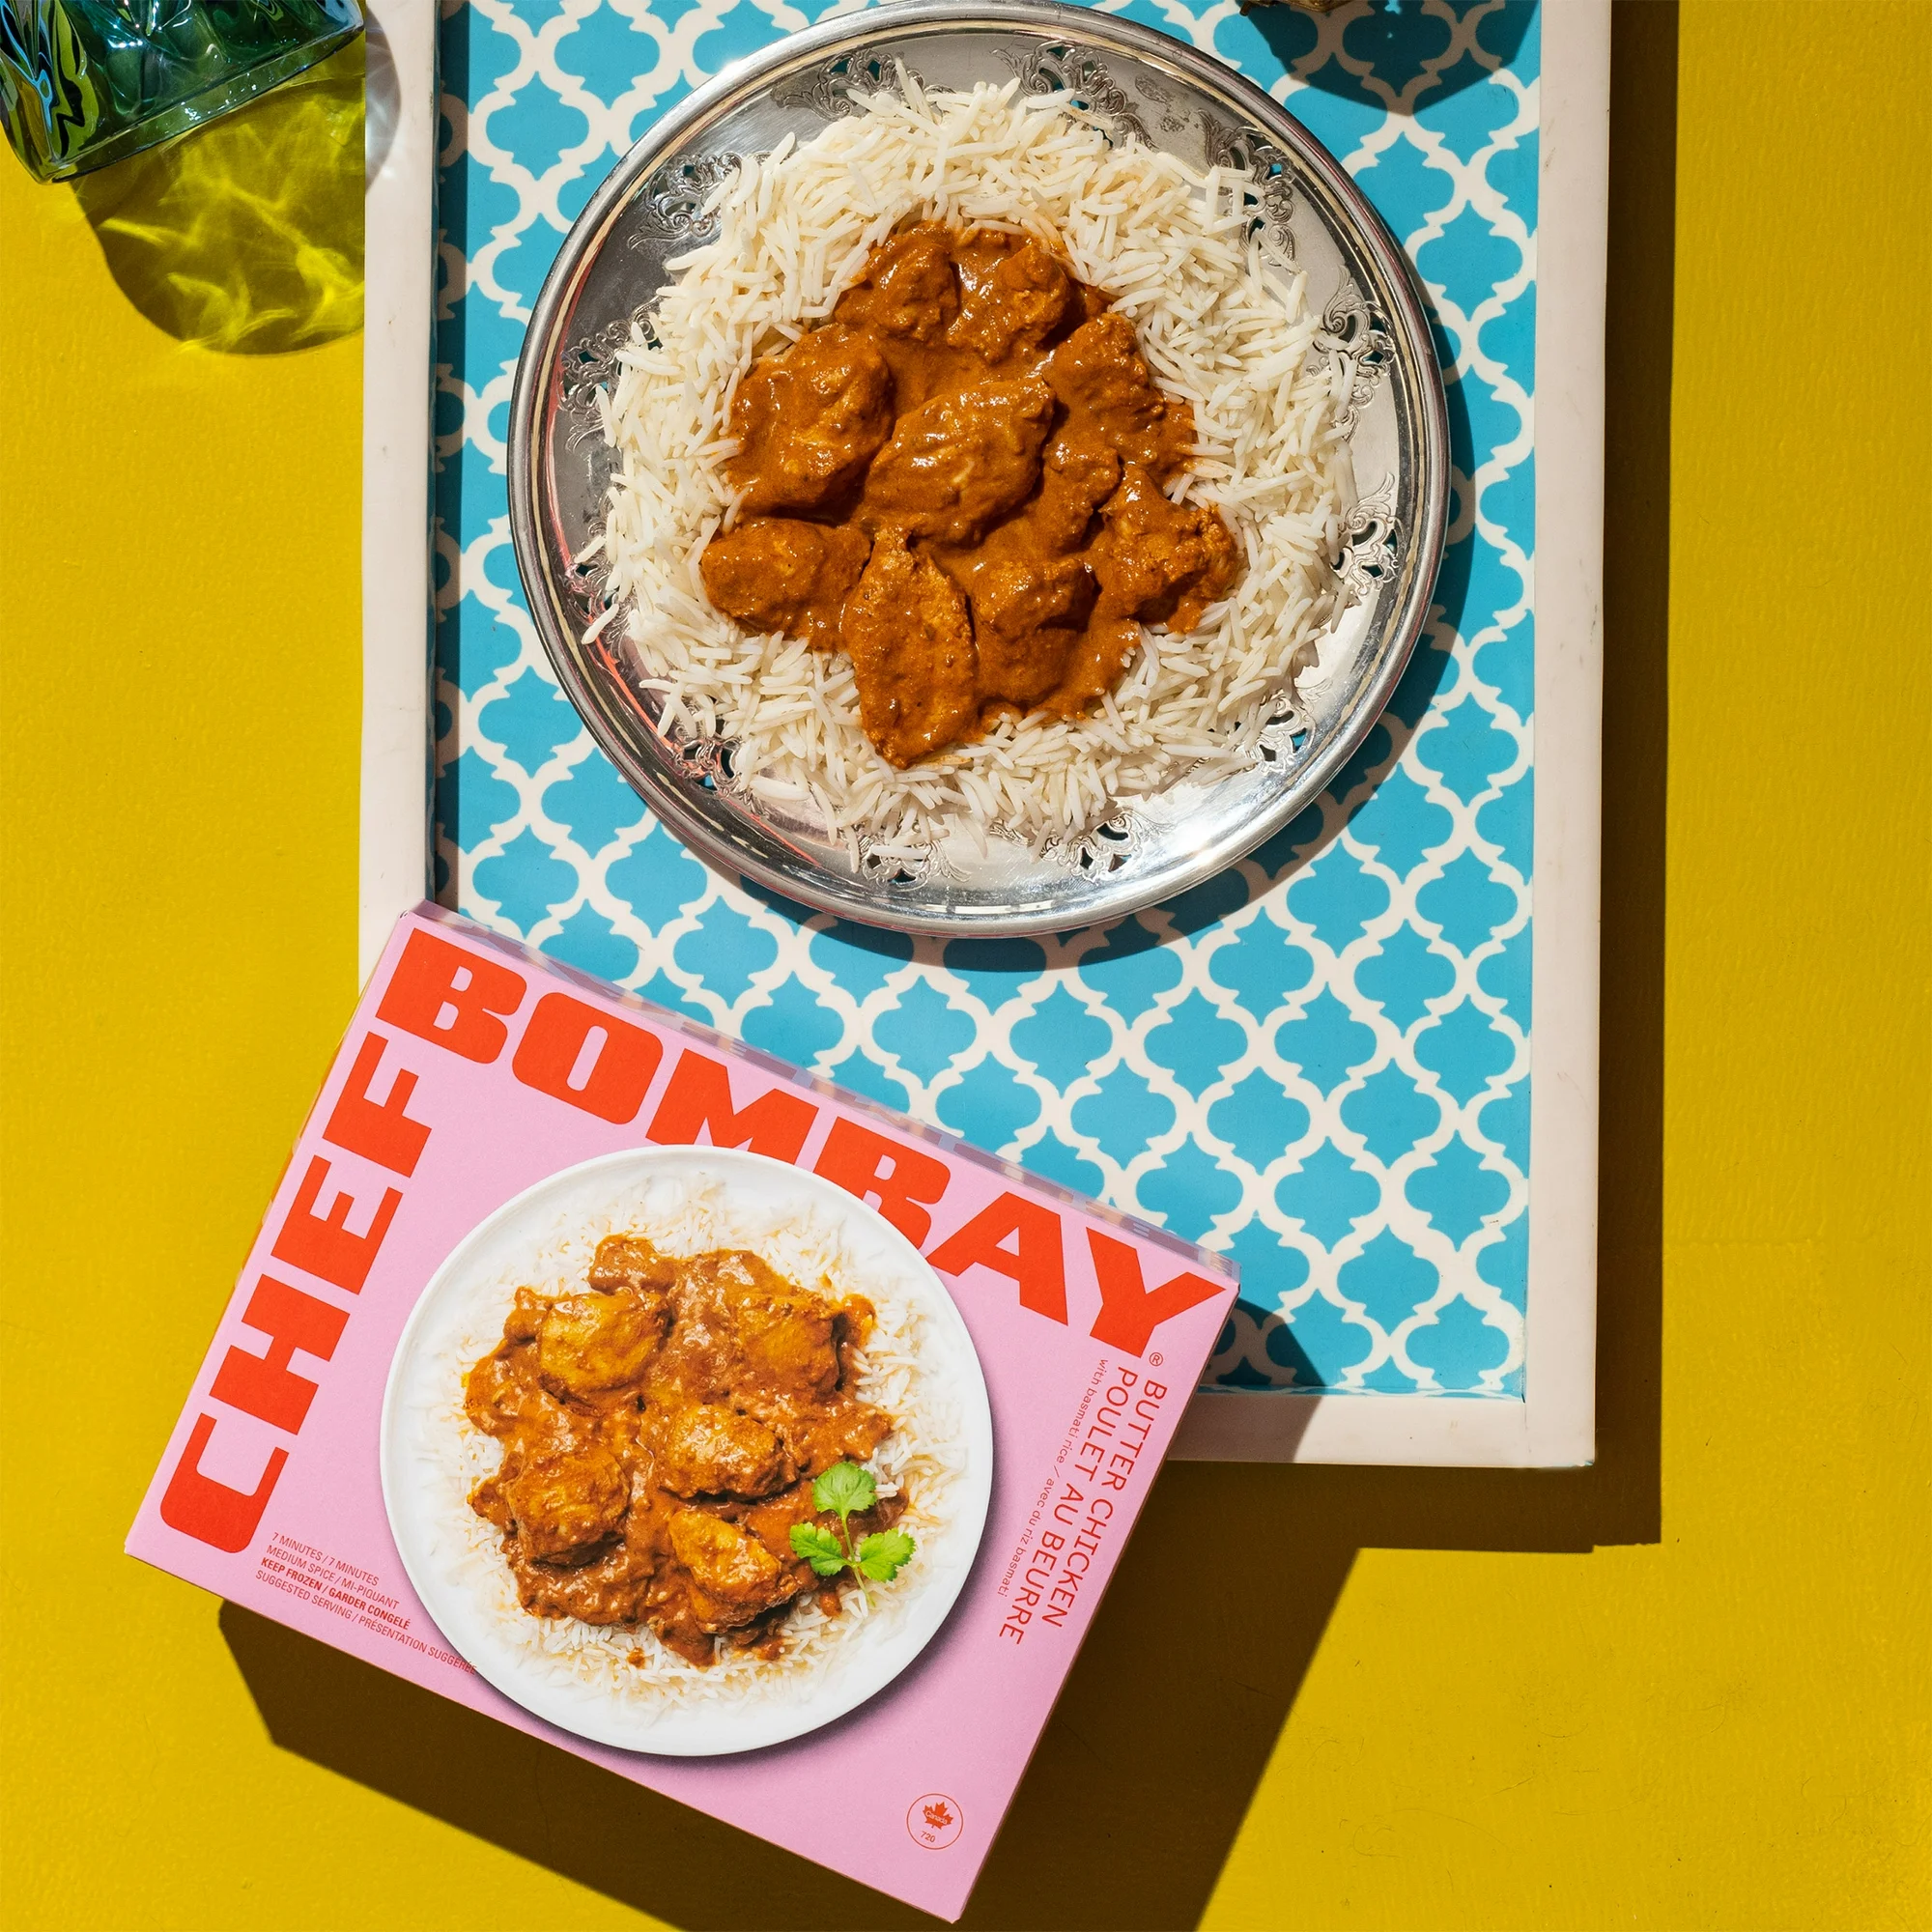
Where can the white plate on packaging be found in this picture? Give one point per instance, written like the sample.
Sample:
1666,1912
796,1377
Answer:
544,1238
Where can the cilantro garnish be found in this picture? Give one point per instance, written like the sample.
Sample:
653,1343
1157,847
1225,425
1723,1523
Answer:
846,1491
883,1554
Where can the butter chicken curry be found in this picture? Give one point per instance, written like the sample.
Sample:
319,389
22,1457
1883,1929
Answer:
661,1435
959,478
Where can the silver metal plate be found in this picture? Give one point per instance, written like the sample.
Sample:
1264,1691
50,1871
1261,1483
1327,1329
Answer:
1146,86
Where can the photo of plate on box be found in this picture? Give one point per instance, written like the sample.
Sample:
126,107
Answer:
979,468
687,1450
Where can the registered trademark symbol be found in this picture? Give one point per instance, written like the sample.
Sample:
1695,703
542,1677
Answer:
1155,1361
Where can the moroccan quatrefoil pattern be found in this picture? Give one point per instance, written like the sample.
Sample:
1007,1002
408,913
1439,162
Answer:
1318,1062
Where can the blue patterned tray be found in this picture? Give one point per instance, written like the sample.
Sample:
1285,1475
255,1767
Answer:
1318,1062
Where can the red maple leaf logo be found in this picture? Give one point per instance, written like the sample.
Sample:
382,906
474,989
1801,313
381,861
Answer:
938,1817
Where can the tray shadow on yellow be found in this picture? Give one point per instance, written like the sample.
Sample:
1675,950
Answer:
1285,26
1181,1694
246,237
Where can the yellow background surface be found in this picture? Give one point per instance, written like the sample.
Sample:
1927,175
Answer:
1688,1688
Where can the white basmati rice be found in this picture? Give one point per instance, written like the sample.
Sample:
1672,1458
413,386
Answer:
924,1459
1221,320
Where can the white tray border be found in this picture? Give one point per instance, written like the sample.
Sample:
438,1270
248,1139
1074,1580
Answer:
1553,1426
398,403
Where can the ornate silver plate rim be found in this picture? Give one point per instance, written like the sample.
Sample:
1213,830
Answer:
1167,845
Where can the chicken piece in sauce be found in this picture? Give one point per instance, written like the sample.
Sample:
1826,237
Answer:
503,1389
623,1260
1098,371
565,1501
1009,476
1097,664
615,1584
740,1322
709,1449
912,650
1018,297
1076,478
661,1435
907,289
784,575
734,1578
1159,562
593,1343
1029,614
808,421
959,462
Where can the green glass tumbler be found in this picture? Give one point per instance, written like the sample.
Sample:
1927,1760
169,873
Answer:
85,82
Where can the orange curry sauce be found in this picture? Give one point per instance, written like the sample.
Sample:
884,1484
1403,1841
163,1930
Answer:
660,1433
959,479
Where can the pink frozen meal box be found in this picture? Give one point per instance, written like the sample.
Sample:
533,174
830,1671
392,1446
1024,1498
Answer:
722,1427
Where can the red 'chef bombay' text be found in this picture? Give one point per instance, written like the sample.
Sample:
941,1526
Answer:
585,1056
